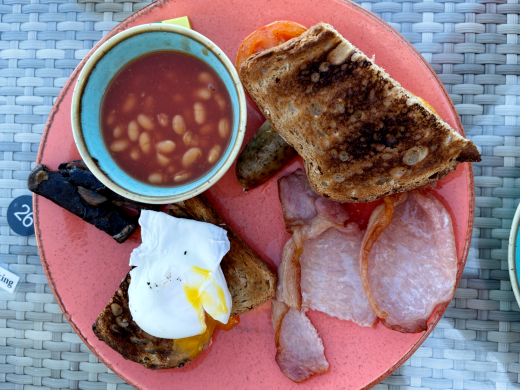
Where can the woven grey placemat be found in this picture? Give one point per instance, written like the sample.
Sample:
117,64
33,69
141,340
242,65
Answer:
473,47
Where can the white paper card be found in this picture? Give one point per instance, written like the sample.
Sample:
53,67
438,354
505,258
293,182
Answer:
8,280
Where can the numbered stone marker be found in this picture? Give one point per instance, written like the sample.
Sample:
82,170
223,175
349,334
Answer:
20,215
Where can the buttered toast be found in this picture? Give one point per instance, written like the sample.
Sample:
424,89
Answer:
361,135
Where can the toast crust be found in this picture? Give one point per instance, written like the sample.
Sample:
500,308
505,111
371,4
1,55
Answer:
361,134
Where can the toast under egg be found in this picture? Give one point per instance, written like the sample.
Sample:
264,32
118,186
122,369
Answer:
251,282
362,136
115,327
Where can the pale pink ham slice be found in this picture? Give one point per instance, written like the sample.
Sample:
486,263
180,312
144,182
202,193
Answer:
335,212
297,199
320,260
300,353
408,260
320,263
289,272
300,204
278,311
330,280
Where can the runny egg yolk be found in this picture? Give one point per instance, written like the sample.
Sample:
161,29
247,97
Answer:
193,345
200,299
204,299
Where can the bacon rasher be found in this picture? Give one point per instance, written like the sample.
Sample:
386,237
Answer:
408,260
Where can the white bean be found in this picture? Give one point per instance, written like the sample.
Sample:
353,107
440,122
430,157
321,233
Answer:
191,156
204,143
133,131
205,77
224,128
162,119
129,103
214,154
118,131
190,139
162,160
181,176
178,124
111,119
203,93
155,178
119,145
148,103
171,169
220,101
206,129
166,146
145,143
199,112
134,154
145,121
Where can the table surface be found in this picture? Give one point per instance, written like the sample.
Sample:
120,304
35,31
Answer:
472,46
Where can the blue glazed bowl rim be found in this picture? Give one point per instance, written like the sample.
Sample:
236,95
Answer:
514,254
77,130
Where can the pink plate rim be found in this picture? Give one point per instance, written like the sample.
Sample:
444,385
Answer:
159,3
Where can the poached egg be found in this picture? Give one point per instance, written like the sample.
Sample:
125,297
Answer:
178,278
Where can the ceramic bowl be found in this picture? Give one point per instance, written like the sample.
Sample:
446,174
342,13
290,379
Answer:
514,254
94,79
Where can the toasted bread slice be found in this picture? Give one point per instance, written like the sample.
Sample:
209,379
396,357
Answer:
115,327
361,134
251,282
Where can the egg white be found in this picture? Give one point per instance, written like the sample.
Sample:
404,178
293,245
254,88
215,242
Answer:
178,256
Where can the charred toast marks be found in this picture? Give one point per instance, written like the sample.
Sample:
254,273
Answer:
361,134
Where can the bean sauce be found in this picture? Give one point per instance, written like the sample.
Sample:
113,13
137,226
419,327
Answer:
166,118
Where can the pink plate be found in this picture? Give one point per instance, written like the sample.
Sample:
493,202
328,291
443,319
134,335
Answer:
85,266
